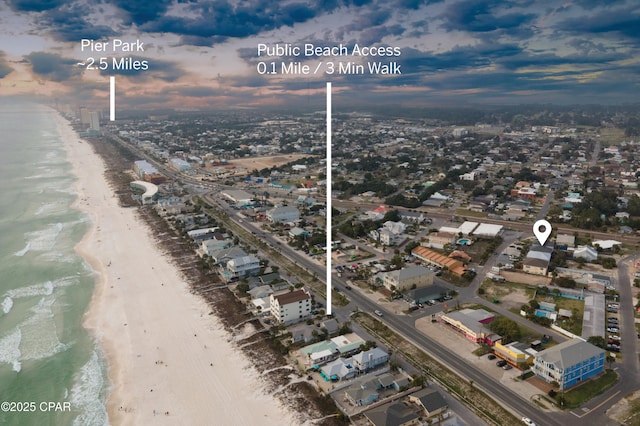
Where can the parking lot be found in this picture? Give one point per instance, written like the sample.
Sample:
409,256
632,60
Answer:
464,348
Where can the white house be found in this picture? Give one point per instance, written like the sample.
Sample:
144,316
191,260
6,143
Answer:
587,253
291,307
368,360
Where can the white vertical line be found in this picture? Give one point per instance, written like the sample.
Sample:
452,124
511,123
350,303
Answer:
329,205
112,98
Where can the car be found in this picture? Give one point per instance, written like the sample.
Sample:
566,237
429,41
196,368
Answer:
348,287
378,313
613,329
507,367
501,363
491,356
527,421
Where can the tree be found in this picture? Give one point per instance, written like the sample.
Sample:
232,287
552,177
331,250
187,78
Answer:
598,341
610,360
507,328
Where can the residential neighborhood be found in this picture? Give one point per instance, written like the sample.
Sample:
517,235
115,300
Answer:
424,240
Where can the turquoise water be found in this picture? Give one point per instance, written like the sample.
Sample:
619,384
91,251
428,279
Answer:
45,287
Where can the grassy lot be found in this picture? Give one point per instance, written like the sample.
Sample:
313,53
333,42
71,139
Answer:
573,324
583,393
493,290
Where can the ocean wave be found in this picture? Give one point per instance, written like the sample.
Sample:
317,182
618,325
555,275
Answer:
39,334
42,289
7,304
24,251
86,394
44,239
10,349
51,208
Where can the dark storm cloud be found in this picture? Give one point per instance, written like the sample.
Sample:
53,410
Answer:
141,12
473,16
35,5
5,68
53,67
624,21
157,69
219,20
68,24
459,58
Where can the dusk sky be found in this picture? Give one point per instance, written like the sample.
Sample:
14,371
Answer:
203,54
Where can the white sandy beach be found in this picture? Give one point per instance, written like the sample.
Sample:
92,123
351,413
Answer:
165,353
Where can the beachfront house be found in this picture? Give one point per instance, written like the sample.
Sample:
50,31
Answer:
291,307
241,267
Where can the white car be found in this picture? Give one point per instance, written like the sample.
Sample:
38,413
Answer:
527,421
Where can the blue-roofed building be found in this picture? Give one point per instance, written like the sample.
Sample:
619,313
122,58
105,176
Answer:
569,363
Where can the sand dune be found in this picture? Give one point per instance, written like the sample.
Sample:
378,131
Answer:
169,361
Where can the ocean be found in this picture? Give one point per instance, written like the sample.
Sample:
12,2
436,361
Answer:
46,356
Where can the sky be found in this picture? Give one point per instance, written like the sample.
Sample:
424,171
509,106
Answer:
204,54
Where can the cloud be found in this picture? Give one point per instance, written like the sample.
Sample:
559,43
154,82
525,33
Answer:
624,21
473,16
53,67
141,12
68,23
5,68
35,5
213,22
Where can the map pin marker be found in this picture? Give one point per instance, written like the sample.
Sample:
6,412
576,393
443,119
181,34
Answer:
542,235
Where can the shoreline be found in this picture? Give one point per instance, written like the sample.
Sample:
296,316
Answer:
169,360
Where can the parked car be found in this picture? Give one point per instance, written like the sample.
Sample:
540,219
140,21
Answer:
528,421
491,356
613,329
612,311
507,367
501,363
378,313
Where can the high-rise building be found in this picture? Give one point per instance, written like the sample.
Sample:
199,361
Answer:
94,121
84,116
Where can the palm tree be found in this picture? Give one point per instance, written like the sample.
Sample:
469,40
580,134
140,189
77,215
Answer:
610,360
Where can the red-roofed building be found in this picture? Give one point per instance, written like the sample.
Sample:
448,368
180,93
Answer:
440,260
